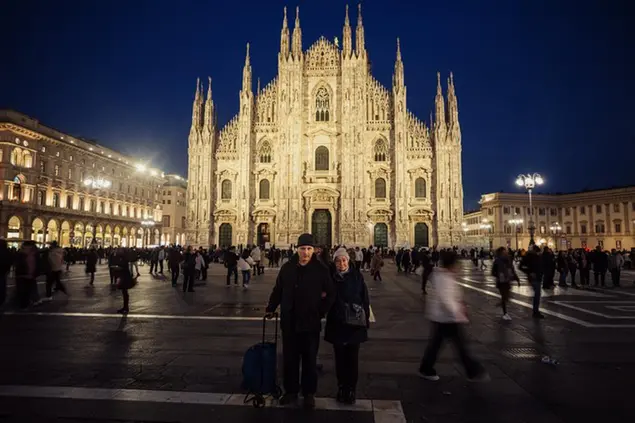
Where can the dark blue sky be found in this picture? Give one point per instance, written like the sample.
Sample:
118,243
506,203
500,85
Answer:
544,86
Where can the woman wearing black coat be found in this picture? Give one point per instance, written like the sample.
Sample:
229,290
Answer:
347,324
91,264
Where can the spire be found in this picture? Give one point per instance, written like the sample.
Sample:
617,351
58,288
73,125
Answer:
360,44
439,106
284,36
258,87
453,107
208,120
397,77
247,72
196,106
296,39
347,38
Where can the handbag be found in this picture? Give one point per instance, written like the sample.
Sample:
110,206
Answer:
354,315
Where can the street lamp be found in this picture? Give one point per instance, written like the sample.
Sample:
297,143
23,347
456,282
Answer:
516,223
555,231
487,226
529,181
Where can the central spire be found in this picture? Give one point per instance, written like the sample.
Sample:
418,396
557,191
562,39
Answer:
296,39
439,105
397,77
247,72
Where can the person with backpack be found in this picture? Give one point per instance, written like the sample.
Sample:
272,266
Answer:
245,262
503,271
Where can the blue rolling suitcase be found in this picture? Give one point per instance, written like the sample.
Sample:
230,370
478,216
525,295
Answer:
259,369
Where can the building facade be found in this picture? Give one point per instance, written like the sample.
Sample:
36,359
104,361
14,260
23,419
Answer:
174,209
56,187
325,148
576,220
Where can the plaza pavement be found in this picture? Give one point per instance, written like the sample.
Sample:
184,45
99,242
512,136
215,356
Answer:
177,357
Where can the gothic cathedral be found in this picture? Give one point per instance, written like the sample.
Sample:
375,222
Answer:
325,148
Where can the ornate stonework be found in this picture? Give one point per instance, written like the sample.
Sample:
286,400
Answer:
325,143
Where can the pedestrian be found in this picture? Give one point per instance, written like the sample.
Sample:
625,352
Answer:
426,262
562,265
245,262
230,260
359,258
531,264
572,264
615,263
54,274
91,264
174,261
584,265
161,257
26,273
376,263
125,280
347,323
255,256
503,271
600,264
304,291
447,312
189,270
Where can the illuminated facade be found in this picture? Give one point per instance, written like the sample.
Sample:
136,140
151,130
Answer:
325,148
56,187
582,219
173,193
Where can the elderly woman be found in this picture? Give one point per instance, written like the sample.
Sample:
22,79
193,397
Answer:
347,323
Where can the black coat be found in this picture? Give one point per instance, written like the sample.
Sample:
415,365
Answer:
304,293
91,261
350,289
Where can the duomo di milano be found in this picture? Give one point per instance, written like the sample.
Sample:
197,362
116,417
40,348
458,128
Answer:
325,148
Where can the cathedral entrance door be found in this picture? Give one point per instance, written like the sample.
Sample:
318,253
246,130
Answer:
263,234
381,235
421,235
321,227
225,235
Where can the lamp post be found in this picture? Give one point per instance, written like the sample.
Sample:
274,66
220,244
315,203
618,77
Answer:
529,181
555,232
516,222
487,226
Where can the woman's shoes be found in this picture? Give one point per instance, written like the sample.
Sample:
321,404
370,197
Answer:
345,395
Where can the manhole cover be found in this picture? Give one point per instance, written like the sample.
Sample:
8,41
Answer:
521,352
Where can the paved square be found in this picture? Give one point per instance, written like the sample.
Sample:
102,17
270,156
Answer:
177,357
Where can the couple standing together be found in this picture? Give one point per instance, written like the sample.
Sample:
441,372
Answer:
307,290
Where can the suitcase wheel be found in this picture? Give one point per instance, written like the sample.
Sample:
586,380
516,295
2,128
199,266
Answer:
259,401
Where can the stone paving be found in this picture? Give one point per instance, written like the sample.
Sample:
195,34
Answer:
193,343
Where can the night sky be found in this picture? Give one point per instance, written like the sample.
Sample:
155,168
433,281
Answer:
545,86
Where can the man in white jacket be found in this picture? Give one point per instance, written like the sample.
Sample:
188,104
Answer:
255,256
447,312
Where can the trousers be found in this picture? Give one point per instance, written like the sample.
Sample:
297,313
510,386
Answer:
347,365
175,273
300,349
454,333
54,278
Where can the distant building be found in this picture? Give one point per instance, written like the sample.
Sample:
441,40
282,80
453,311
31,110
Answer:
604,217
56,187
173,202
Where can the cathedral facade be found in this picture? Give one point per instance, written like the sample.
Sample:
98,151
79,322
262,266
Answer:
325,148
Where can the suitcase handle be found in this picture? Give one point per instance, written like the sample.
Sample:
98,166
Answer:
264,326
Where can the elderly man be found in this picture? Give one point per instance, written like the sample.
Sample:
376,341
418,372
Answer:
304,291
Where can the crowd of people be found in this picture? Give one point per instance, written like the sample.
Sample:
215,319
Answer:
319,282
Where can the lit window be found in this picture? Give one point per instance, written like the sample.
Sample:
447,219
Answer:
226,189
380,188
420,188
43,149
321,158
57,170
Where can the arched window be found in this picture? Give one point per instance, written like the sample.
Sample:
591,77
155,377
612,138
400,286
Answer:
27,160
420,188
321,158
265,152
16,157
322,105
81,204
380,188
381,150
56,200
226,190
264,189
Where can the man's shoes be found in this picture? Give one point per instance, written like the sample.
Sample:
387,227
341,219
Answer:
538,315
288,399
122,311
340,394
309,402
429,375
349,396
